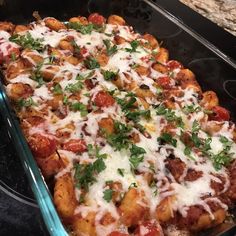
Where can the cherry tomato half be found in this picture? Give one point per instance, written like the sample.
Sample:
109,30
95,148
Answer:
219,114
75,145
148,228
96,19
172,64
103,99
41,145
164,82
117,233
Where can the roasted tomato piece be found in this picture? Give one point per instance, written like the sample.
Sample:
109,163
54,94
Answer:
164,82
172,64
96,19
42,145
103,99
75,145
117,233
219,114
149,228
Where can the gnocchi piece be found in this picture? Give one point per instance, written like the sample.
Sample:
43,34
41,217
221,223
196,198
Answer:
64,197
66,45
84,226
142,70
102,59
153,43
164,211
131,210
160,68
17,67
209,100
162,56
51,165
19,91
31,57
119,40
116,20
143,92
106,125
54,24
20,28
205,221
49,72
80,19
6,26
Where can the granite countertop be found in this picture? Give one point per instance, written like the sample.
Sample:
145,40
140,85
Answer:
222,12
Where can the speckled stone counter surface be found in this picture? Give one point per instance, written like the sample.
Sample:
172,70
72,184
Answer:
222,12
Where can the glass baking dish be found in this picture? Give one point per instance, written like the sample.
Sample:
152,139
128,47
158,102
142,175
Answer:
214,71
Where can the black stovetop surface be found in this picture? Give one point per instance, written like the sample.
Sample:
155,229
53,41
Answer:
19,213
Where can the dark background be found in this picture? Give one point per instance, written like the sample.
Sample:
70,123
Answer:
19,214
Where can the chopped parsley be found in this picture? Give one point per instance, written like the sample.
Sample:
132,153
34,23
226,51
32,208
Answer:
224,157
76,47
191,109
65,100
94,152
83,29
134,45
57,90
13,56
27,41
107,195
121,171
137,155
78,106
137,114
36,75
110,49
85,173
133,185
127,104
187,152
109,75
25,102
169,115
74,88
91,63
196,126
167,138
120,138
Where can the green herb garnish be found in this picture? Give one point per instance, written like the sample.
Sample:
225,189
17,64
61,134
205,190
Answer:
27,41
83,29
191,109
110,49
85,173
107,195
167,138
169,115
137,155
25,102
134,45
57,90
74,88
121,171
109,75
78,106
120,138
91,63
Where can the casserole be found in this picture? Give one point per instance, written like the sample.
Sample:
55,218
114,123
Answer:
175,33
